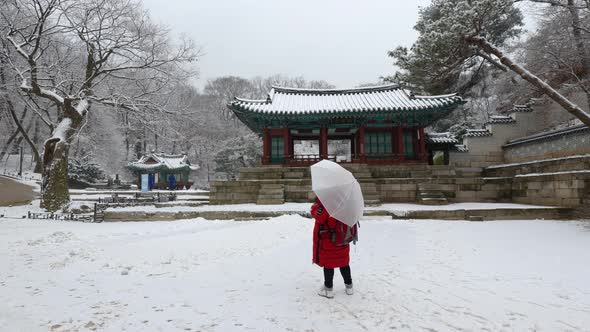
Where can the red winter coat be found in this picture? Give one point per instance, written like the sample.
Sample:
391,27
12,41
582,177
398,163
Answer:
325,253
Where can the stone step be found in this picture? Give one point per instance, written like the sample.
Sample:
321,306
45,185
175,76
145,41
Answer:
430,187
270,196
420,174
431,194
372,202
270,201
271,191
433,201
469,172
272,186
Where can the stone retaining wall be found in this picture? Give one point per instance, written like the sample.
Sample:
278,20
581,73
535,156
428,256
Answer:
550,145
556,189
508,183
573,163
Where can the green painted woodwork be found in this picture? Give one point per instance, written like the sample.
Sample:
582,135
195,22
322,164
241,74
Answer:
409,145
257,121
378,143
277,149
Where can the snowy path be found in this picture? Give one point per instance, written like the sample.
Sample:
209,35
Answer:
257,276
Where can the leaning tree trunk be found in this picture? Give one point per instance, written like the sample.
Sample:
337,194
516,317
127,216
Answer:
54,188
574,109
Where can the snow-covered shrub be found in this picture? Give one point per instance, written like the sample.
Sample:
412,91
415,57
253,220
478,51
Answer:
84,170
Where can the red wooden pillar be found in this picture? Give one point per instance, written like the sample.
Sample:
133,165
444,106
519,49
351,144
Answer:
265,146
415,144
423,155
287,145
324,143
361,145
400,143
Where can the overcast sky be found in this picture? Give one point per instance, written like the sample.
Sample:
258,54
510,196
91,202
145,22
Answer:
344,42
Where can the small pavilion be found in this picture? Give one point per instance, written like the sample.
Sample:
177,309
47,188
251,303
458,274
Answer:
159,167
379,125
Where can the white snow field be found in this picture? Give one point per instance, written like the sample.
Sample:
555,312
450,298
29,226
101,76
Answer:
199,275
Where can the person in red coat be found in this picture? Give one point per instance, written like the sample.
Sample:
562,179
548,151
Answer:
328,251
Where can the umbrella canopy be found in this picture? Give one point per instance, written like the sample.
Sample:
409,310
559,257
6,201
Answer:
338,190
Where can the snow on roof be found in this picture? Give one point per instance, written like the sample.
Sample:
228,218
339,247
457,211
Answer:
390,97
521,108
155,161
501,119
441,138
477,133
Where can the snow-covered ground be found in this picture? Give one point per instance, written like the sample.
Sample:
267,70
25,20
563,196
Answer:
202,275
398,208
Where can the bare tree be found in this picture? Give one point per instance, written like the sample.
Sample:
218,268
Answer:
76,53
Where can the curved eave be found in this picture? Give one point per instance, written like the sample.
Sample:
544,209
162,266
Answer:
157,168
253,117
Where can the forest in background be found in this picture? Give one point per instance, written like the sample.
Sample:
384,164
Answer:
131,93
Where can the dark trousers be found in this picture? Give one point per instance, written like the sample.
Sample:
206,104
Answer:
329,276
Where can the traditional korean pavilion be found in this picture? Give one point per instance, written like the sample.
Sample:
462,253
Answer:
384,124
159,167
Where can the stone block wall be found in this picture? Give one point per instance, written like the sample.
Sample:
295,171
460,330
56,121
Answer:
564,189
577,142
560,182
573,163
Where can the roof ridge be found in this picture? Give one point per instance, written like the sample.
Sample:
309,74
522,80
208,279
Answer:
261,101
336,91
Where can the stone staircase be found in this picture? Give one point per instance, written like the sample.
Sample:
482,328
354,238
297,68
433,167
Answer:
431,194
370,193
271,193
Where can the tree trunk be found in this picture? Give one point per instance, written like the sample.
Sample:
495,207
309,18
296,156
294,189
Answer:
34,151
13,136
580,47
574,109
54,188
7,145
577,32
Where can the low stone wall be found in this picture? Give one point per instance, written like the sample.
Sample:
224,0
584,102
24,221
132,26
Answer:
475,158
561,143
247,191
557,189
573,163
569,187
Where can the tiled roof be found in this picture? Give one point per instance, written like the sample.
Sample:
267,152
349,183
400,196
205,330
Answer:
460,148
316,101
162,161
521,108
441,138
477,133
501,119
573,130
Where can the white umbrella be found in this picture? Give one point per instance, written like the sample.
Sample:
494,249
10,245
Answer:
338,190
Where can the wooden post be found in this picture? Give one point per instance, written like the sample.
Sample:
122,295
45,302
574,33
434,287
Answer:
415,144
361,151
265,147
324,143
424,156
286,145
400,143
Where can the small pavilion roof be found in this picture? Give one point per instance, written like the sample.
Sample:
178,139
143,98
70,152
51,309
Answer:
162,161
293,104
